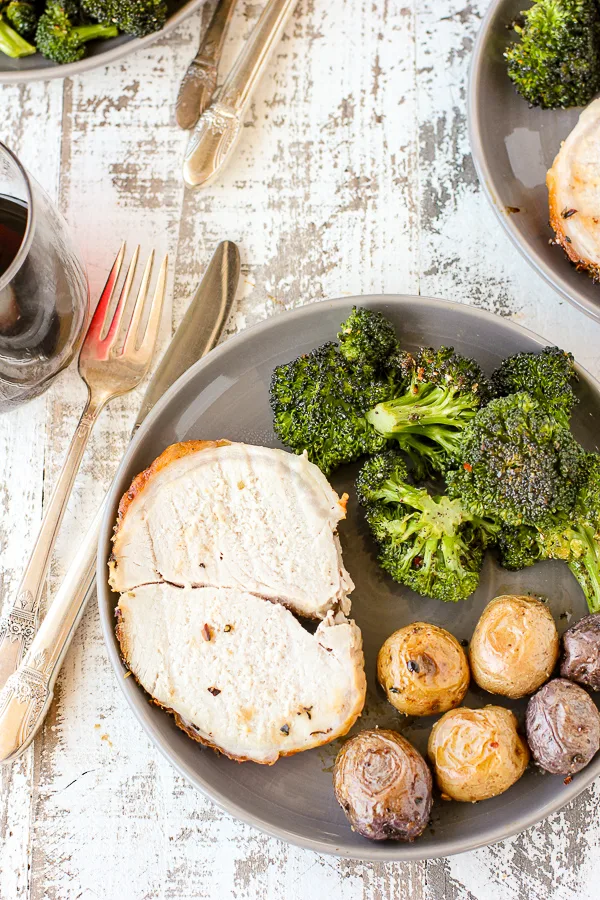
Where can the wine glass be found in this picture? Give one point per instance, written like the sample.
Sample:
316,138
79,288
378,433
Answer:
44,294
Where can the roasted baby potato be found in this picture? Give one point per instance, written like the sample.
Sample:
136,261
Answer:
383,785
514,647
581,652
477,753
563,727
423,670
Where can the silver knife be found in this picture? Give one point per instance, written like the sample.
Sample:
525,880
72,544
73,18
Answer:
199,82
27,694
220,126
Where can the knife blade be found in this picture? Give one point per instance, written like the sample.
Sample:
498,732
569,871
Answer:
27,694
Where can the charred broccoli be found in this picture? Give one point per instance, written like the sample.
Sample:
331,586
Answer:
338,403
556,60
137,17
442,393
58,39
319,401
547,376
22,16
518,463
573,537
368,338
432,544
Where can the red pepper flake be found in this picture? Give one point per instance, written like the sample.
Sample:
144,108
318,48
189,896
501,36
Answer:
418,562
214,691
467,467
206,632
494,744
568,779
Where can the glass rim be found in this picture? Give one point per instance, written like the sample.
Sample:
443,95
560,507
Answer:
27,238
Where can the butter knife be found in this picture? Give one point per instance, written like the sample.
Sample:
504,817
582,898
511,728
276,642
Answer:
219,128
199,82
27,694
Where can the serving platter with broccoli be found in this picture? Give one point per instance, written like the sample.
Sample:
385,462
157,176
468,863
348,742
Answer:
61,29
455,463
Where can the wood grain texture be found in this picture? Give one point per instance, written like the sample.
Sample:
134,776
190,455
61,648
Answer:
353,176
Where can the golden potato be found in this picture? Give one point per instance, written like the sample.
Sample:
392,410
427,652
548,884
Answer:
477,753
514,647
423,670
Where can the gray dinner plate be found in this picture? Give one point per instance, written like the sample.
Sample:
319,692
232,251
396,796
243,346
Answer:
99,53
226,395
513,147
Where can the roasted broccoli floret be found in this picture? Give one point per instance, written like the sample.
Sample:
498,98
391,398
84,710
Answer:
59,39
518,463
22,16
443,392
432,544
367,337
319,401
573,537
556,59
12,43
137,17
548,376
338,403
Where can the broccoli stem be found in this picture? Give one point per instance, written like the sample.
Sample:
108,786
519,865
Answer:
85,33
586,568
424,405
12,44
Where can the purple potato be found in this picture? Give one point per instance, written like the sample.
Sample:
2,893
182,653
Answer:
581,652
383,785
563,727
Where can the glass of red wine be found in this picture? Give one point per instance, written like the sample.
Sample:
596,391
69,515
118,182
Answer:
43,287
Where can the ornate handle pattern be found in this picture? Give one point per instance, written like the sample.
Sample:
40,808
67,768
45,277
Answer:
27,694
19,620
220,125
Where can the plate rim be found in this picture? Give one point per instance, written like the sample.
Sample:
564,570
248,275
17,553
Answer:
373,851
105,58
488,181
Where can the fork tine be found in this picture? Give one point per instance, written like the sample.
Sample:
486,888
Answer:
131,331
98,319
125,291
146,348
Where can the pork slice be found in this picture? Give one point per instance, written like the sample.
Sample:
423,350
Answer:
240,673
236,516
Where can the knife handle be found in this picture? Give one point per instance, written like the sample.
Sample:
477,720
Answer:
199,82
219,127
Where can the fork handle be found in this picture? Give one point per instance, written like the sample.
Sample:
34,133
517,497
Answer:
19,620
27,694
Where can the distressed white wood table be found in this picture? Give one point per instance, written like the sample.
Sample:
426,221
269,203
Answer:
353,176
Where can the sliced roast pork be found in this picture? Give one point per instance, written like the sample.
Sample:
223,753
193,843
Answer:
229,515
574,192
240,673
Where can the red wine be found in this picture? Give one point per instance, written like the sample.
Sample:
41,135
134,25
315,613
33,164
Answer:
13,222
42,305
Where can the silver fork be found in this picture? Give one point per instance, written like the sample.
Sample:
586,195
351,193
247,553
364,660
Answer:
115,356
